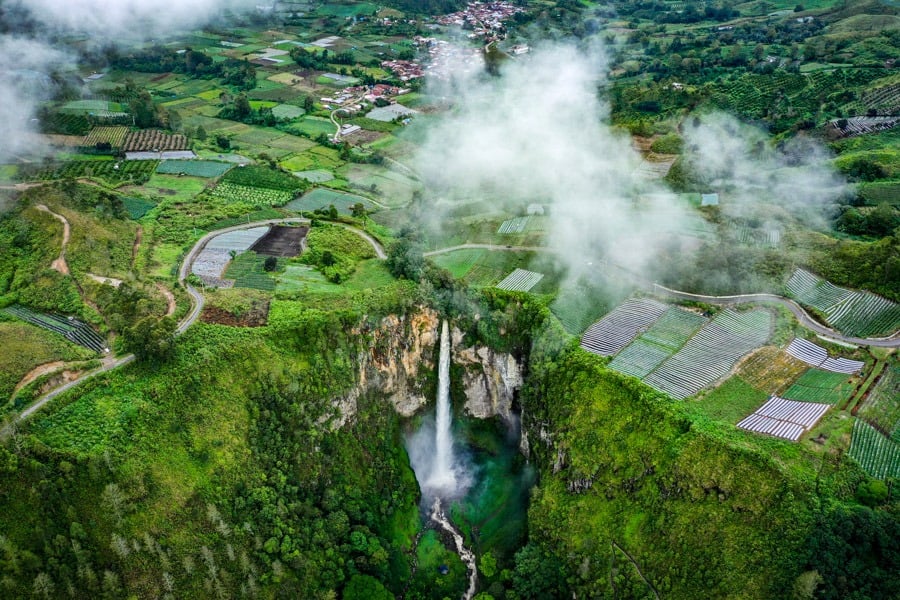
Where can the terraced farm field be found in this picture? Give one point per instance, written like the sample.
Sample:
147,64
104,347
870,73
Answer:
323,198
520,280
784,418
255,196
665,337
72,329
878,455
771,369
820,386
459,262
882,407
194,168
710,355
247,272
616,330
851,312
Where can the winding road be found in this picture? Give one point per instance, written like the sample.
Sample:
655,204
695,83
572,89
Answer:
197,303
802,316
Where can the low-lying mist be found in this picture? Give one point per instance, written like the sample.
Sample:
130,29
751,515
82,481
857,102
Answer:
30,52
540,133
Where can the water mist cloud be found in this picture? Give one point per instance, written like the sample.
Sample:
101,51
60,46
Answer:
26,61
538,134
739,159
24,81
112,21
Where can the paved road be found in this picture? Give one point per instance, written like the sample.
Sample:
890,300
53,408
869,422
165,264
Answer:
489,247
802,316
197,303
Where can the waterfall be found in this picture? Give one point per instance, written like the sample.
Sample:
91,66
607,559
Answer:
442,478
432,459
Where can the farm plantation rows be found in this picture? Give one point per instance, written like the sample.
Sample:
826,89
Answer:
620,424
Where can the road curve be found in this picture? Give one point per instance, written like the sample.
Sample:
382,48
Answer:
802,316
491,247
197,303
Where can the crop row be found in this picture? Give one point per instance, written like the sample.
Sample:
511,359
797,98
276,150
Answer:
194,168
616,330
810,391
520,280
154,140
852,312
113,171
72,329
771,369
255,196
878,455
262,177
882,406
711,353
114,136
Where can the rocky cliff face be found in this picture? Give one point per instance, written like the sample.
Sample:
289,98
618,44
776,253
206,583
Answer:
490,379
402,350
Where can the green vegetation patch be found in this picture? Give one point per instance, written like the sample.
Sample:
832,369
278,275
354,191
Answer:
877,454
323,198
137,207
263,177
882,407
731,401
247,272
820,386
193,168
26,346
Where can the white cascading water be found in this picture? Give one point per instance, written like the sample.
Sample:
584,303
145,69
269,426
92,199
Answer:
442,479
431,455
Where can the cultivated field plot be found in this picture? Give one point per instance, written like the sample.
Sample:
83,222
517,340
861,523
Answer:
72,329
154,140
315,176
878,455
459,262
194,168
323,198
639,358
114,136
520,280
882,407
516,225
246,270
710,355
851,312
659,342
771,369
816,356
210,264
95,108
764,238
784,418
110,170
137,207
282,240
820,386
255,196
616,330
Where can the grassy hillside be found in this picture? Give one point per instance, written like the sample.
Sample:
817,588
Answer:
640,495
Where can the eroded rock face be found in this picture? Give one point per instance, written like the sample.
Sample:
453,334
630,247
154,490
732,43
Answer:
490,381
402,350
